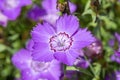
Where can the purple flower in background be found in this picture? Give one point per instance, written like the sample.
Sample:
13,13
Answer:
36,13
113,76
48,12
3,19
94,49
12,8
116,57
71,75
117,37
110,76
62,42
117,75
115,41
81,62
35,70
112,42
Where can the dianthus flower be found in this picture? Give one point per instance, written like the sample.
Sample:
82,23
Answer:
35,70
62,41
11,8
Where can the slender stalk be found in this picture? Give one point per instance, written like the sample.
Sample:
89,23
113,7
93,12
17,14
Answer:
91,67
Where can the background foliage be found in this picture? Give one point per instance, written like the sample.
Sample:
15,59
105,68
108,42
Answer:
102,17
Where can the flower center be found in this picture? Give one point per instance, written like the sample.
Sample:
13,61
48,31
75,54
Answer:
11,4
40,66
60,42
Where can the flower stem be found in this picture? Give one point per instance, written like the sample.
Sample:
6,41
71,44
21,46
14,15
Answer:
91,67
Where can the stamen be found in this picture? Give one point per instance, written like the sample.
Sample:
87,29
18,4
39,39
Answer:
60,42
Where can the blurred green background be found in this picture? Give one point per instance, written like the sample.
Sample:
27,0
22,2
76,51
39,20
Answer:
102,17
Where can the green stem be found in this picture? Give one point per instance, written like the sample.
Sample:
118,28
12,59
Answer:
91,67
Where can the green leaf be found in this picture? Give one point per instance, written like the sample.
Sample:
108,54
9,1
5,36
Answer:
87,5
14,37
71,68
97,71
109,23
85,71
2,47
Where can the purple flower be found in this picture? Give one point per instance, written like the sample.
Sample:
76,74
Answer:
48,12
94,49
3,19
117,75
112,42
12,8
116,57
117,37
71,75
36,13
113,76
29,45
62,42
110,76
35,70
81,62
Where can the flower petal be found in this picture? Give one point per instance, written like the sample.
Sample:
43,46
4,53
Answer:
66,58
42,52
50,5
42,33
68,24
3,19
72,7
21,59
55,66
26,2
12,14
27,74
36,13
54,71
29,45
82,39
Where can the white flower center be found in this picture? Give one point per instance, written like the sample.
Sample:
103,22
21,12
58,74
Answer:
10,4
40,66
60,42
